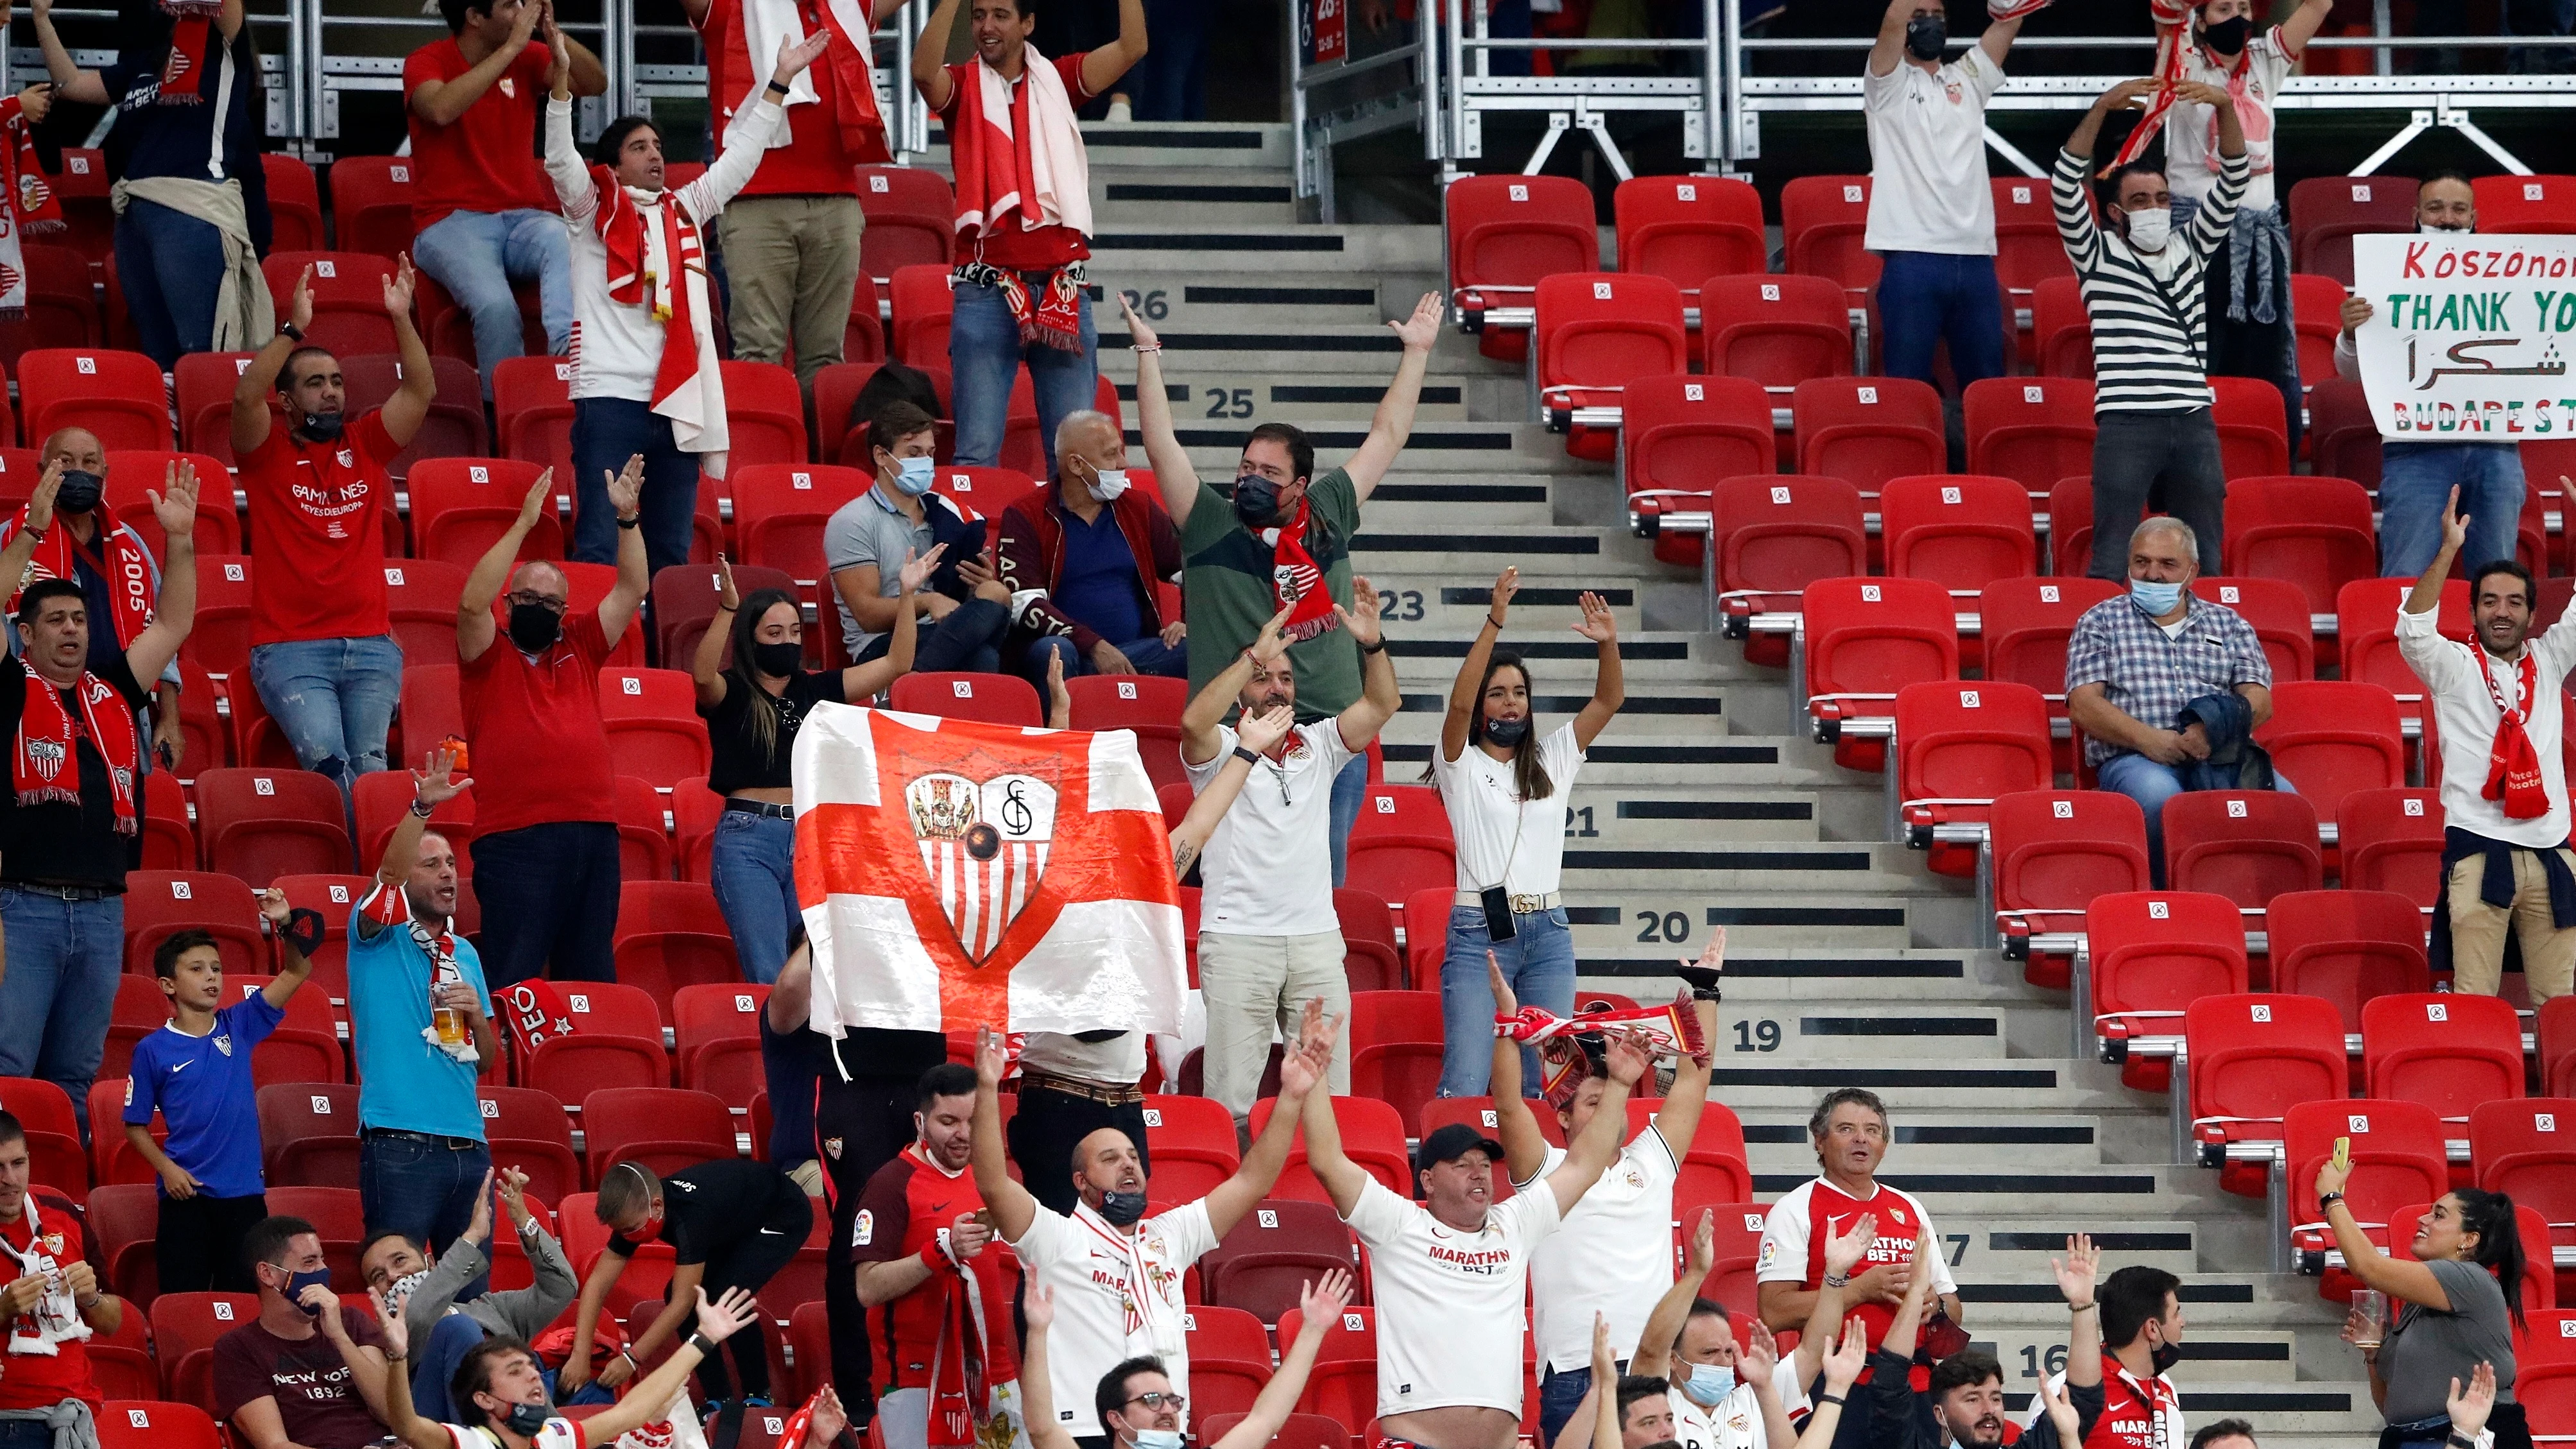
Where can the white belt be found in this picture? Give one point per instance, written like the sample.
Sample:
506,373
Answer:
1521,905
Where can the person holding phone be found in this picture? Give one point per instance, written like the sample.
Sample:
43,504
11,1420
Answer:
1504,786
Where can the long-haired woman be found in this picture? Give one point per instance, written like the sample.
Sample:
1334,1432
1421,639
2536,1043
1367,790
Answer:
1505,786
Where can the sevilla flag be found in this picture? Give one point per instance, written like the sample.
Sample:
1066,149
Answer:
957,874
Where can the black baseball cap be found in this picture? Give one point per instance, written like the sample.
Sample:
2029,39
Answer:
1454,1141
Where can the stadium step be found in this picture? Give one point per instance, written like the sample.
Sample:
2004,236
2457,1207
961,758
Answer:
1125,196
1154,145
1232,297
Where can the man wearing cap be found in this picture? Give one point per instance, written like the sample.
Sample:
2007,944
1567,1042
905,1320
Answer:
1450,1276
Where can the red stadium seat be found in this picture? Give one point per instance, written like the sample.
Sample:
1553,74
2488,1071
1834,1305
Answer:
2526,205
1823,220
335,896
117,395
1373,1137
2449,1051
139,1011
2024,625
1425,913
1865,640
261,824
911,219
684,601
53,1133
1777,330
449,329
669,935
615,1041
184,1329
2538,1293
2253,428
2252,1059
695,813
454,427
1679,436
1147,704
159,902
2391,840
204,383
122,1366
1396,1043
2070,527
2332,739
168,842
460,507
1003,699
654,732
305,1047
2346,948
2343,437
2028,249
643,845
348,297
660,1128
1502,235
371,197
1713,1165
2278,612
294,203
1191,1141
529,1130
1776,535
717,1028
1687,228
2366,634
1273,1251
779,511
1368,936
2524,1148
765,414
204,743
2054,852
2154,954
421,595
2313,532
1596,332
61,304
341,1222
126,1423
1869,430
648,1274
1402,842
218,527
2327,212
531,418
1960,531
1958,746
2031,430
984,492
1342,1386
2248,846
1296,1431
2061,329
2557,1043
309,1133
1229,1359
923,304
2317,310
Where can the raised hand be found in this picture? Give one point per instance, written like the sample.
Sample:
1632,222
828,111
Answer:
1361,617
524,27
828,1421
1760,1356
1850,1355
40,506
1629,1060
626,487
389,1323
2061,1410
436,782
299,307
1701,1258
2077,1270
1037,1307
1059,698
273,905
1299,1074
175,508
992,1057
728,598
1272,642
1506,584
1598,624
36,101
1845,1253
1138,334
1506,1001
914,573
2127,93
2469,1410
719,1320
1261,733
795,56
2455,528
2357,312
1422,329
540,499
1324,1299
514,1187
398,288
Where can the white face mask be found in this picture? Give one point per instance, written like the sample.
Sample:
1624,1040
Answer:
2150,230
1108,483
2426,228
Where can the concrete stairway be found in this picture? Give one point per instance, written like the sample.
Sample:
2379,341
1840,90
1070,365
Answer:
1702,805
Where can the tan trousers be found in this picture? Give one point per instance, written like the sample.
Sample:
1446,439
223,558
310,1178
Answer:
2477,930
792,263
1255,985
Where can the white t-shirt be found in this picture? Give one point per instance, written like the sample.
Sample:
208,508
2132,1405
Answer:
1117,1062
557,1434
1615,1256
1117,1297
1449,1319
1269,862
1496,829
2465,715
1736,1422
1928,188
2191,129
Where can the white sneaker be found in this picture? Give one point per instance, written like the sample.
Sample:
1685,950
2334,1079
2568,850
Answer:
1120,113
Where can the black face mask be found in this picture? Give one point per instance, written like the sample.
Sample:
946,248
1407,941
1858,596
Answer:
1256,501
322,427
1122,1208
534,627
778,660
1507,732
2164,1356
2228,37
1926,36
526,1420
79,492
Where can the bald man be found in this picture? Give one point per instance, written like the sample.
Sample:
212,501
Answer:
545,842
1082,564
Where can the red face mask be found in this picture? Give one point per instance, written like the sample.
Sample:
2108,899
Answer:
652,1225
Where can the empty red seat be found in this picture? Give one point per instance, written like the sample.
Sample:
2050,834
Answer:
2327,212
984,492
1960,531
339,1221
2366,634
1777,330
2054,853
2343,434
1272,1253
1147,704
2398,1159
764,415
643,842
2391,840
684,601
2154,954
2346,948
371,196
117,395
2526,1149
2530,205
1192,1144
1865,640
2031,430
716,1027
654,732
2557,1041
2024,625
1395,1044
2331,739
126,1423
923,305
1229,1357
1595,331
160,902
2061,329
2317,309
1869,430
453,429
2246,845
531,417
294,202
2313,532
2252,1059
126,1219
2028,249
911,216
661,1128
1959,745
1687,228
309,1133
1004,699
2253,428
1823,222
460,507
184,1329
1679,436
421,595
616,1040
670,934
1505,233
2277,611
530,1130
261,824
779,510
1775,535
348,291
1373,1137
2449,1051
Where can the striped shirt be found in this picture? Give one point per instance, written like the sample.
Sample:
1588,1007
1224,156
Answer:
2149,313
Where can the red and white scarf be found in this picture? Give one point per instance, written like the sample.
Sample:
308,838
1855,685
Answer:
2252,112
2513,766
191,28
1018,147
122,561
45,768
31,207
748,51
1671,1030
388,905
56,1318
960,1402
657,259
1294,576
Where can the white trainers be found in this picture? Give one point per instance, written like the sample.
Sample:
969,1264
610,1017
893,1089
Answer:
1120,113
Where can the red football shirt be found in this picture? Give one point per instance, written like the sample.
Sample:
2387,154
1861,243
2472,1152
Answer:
317,533
33,1380
812,162
906,1203
1004,243
486,159
540,752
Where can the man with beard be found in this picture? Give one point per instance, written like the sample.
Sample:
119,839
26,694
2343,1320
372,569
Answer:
445,1328
1116,1274
1964,1408
2141,1319
2499,711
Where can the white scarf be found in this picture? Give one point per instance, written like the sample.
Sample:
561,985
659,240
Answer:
769,24
1059,167
56,1319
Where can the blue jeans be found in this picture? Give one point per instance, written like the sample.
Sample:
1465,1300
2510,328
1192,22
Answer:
1170,83
335,700
549,895
171,265
1350,788
476,255
755,878
434,1364
423,1189
2151,785
1924,297
25,1434
969,639
1538,964
1150,655
984,357
60,987
606,431
2415,482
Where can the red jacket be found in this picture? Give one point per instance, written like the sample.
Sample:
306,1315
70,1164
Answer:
1032,559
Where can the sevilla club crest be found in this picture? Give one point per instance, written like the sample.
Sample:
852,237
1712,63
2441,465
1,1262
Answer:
984,844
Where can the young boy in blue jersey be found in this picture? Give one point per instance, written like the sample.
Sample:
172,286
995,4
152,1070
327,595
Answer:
196,1071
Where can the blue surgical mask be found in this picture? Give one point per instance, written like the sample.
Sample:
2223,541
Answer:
1710,1383
912,475
296,1283
1158,1439
2157,599
528,1420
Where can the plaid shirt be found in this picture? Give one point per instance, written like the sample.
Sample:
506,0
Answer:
2148,675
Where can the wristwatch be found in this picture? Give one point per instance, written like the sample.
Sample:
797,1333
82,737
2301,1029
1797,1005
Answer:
420,807
290,331
2328,1199
1245,754
1377,648
635,522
